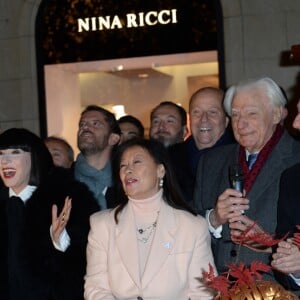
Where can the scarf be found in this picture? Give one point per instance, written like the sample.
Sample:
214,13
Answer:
96,180
250,175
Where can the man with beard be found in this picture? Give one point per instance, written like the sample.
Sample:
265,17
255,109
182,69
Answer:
168,123
97,134
209,128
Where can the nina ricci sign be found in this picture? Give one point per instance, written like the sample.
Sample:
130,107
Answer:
131,20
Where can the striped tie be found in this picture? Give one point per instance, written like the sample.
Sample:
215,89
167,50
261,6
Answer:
251,160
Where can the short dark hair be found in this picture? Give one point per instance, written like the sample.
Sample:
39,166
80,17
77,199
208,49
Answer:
41,159
180,109
109,117
171,191
133,120
69,148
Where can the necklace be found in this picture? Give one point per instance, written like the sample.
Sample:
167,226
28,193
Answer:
144,234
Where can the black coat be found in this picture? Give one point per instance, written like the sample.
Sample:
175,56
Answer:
288,213
30,267
185,157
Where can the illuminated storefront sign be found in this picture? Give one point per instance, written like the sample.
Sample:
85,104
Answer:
75,31
131,20
85,30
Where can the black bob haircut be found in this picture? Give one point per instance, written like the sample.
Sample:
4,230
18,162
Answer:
41,160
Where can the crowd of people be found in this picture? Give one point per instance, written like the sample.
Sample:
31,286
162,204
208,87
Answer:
138,217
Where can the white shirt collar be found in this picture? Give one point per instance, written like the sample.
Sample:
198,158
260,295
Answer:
248,153
25,193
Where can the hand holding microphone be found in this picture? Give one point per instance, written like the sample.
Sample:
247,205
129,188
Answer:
231,203
236,178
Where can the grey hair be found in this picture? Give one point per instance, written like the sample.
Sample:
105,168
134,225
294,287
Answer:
272,89
62,141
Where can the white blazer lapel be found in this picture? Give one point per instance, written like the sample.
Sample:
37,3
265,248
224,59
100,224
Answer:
126,241
162,244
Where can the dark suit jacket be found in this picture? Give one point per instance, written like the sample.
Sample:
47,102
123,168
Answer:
212,180
288,214
185,157
30,267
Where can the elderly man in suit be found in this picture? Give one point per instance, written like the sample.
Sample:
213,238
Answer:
256,108
286,259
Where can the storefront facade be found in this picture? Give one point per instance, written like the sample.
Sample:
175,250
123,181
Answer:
256,33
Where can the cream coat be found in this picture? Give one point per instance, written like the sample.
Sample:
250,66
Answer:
180,252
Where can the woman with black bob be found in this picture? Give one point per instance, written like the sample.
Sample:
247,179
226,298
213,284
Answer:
152,246
44,222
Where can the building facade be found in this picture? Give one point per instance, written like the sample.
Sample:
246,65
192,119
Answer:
257,37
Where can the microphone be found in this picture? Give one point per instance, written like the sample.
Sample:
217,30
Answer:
236,177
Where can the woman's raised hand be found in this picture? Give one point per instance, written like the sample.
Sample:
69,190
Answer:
60,221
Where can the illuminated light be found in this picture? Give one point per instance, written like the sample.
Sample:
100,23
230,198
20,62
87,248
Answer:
118,68
119,111
143,75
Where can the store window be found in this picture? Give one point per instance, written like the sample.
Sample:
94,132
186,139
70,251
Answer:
132,54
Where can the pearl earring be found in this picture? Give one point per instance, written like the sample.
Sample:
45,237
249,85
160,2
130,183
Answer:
161,182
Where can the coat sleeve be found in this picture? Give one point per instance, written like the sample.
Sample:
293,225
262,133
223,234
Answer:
201,259
286,223
96,279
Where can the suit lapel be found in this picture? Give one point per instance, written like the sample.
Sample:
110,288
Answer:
272,168
162,244
126,240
